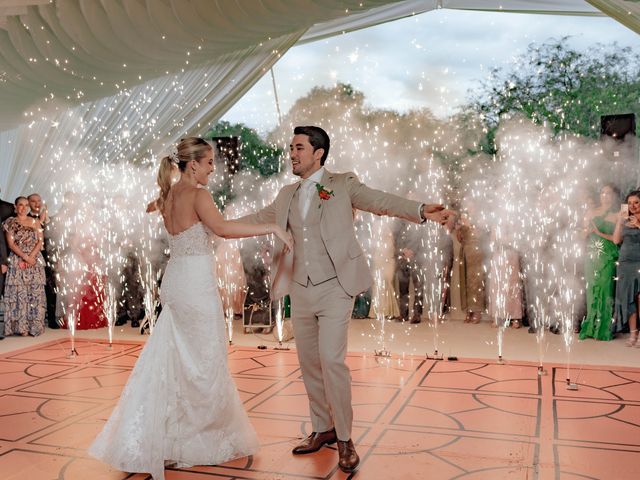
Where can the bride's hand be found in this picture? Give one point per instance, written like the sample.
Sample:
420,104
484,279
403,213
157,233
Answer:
286,238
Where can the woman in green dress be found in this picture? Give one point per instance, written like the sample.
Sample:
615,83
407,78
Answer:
600,266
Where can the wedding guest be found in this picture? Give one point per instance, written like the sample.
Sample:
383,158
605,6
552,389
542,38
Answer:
130,303
75,254
471,266
38,210
505,283
231,277
6,210
24,296
589,204
600,265
627,233
383,264
256,262
447,248
407,243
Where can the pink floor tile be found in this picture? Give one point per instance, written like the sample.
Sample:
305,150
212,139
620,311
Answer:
414,418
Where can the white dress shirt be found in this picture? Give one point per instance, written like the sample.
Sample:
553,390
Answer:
308,189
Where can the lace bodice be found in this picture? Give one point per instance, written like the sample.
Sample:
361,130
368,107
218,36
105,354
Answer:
195,240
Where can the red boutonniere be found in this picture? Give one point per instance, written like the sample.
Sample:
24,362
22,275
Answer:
323,193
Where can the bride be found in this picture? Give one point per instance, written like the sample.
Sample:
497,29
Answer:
180,404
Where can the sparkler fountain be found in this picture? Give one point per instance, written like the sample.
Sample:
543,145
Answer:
539,321
382,148
378,308
501,289
565,307
381,247
434,285
535,272
279,310
149,281
109,306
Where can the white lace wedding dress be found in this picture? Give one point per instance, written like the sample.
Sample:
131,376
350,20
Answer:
180,403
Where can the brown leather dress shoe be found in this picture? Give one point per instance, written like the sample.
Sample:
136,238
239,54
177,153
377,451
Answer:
348,459
315,441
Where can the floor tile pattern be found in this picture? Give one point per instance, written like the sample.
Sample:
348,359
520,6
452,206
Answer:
415,418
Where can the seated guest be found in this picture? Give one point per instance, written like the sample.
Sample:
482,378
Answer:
627,233
24,296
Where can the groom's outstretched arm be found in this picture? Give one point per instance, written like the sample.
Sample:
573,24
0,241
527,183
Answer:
379,202
383,203
266,215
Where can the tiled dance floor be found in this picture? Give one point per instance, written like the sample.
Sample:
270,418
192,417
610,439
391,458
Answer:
414,418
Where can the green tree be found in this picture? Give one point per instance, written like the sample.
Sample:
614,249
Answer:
566,89
254,152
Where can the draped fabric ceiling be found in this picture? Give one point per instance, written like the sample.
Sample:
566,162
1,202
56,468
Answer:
109,80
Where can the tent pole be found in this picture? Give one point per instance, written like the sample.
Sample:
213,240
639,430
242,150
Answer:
275,95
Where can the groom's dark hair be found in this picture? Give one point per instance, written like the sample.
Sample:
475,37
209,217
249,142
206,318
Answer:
318,138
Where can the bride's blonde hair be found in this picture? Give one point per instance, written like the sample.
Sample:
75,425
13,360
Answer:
190,148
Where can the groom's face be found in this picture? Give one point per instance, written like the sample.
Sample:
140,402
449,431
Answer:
304,161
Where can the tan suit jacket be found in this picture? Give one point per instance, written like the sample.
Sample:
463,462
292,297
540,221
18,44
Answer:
336,228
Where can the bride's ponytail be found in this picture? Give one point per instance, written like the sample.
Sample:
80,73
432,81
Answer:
191,148
165,174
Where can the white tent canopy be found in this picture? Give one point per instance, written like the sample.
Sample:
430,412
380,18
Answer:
118,79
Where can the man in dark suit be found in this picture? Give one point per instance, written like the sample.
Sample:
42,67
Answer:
6,210
408,248
37,209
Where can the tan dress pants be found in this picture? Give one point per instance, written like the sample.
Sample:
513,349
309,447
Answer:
321,315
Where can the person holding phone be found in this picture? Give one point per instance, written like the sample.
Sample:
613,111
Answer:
600,265
627,234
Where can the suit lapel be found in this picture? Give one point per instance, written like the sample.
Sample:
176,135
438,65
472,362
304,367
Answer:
327,183
282,274
282,214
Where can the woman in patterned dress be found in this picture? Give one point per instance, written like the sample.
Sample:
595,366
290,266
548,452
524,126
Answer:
24,296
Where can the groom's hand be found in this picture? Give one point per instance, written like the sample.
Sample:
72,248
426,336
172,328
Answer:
441,216
431,208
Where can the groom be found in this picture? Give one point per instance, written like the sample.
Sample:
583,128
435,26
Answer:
323,274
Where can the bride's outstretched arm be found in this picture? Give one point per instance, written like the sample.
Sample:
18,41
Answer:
212,218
